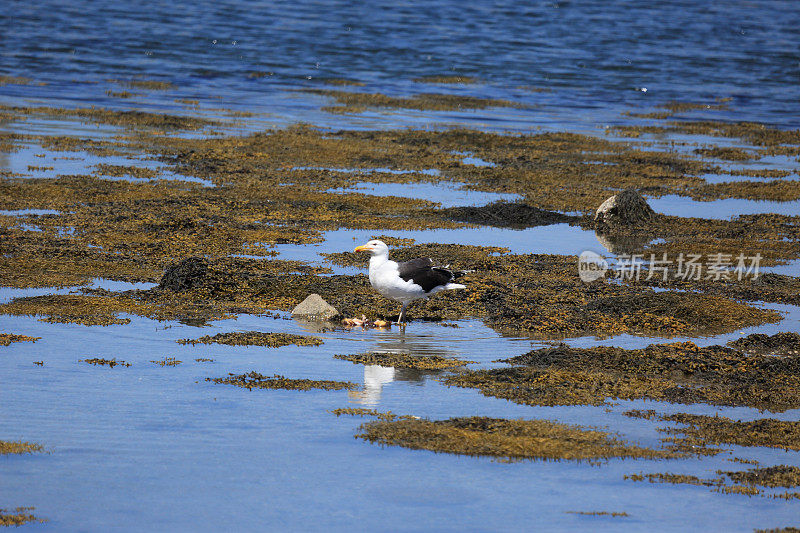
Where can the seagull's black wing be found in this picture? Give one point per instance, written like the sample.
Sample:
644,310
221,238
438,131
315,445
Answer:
422,272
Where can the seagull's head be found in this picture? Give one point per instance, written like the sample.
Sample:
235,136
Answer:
374,247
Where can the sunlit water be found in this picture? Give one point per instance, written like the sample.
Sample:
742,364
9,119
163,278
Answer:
158,448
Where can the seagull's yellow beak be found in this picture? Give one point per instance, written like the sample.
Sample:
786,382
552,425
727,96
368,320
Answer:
362,248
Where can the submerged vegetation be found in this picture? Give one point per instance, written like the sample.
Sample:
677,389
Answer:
7,338
17,517
255,338
402,360
208,251
507,439
18,447
677,372
254,380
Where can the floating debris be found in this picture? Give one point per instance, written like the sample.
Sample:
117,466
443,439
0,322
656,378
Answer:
254,380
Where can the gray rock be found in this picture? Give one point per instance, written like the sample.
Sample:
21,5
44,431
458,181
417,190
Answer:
314,307
623,209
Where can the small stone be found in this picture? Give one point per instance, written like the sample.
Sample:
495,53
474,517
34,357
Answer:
314,307
624,208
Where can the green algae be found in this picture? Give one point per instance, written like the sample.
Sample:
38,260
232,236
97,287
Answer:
506,439
254,380
677,373
7,338
255,338
400,360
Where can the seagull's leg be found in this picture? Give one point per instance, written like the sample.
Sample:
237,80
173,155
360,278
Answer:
401,318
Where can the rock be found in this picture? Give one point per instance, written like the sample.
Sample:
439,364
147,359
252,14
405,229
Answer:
184,275
624,208
314,307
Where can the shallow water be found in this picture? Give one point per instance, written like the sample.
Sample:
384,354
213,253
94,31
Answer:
164,446
445,194
724,209
158,448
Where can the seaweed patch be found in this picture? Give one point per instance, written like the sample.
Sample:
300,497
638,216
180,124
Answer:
676,372
18,447
18,516
7,338
400,360
254,380
255,338
111,363
506,439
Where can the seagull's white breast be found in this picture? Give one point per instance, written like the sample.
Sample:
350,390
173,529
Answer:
385,278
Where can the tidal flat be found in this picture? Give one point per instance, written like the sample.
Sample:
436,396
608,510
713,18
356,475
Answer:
183,242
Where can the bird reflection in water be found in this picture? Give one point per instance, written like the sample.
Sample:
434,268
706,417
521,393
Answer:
402,343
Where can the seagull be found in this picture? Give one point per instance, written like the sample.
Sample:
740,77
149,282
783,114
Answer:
407,281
